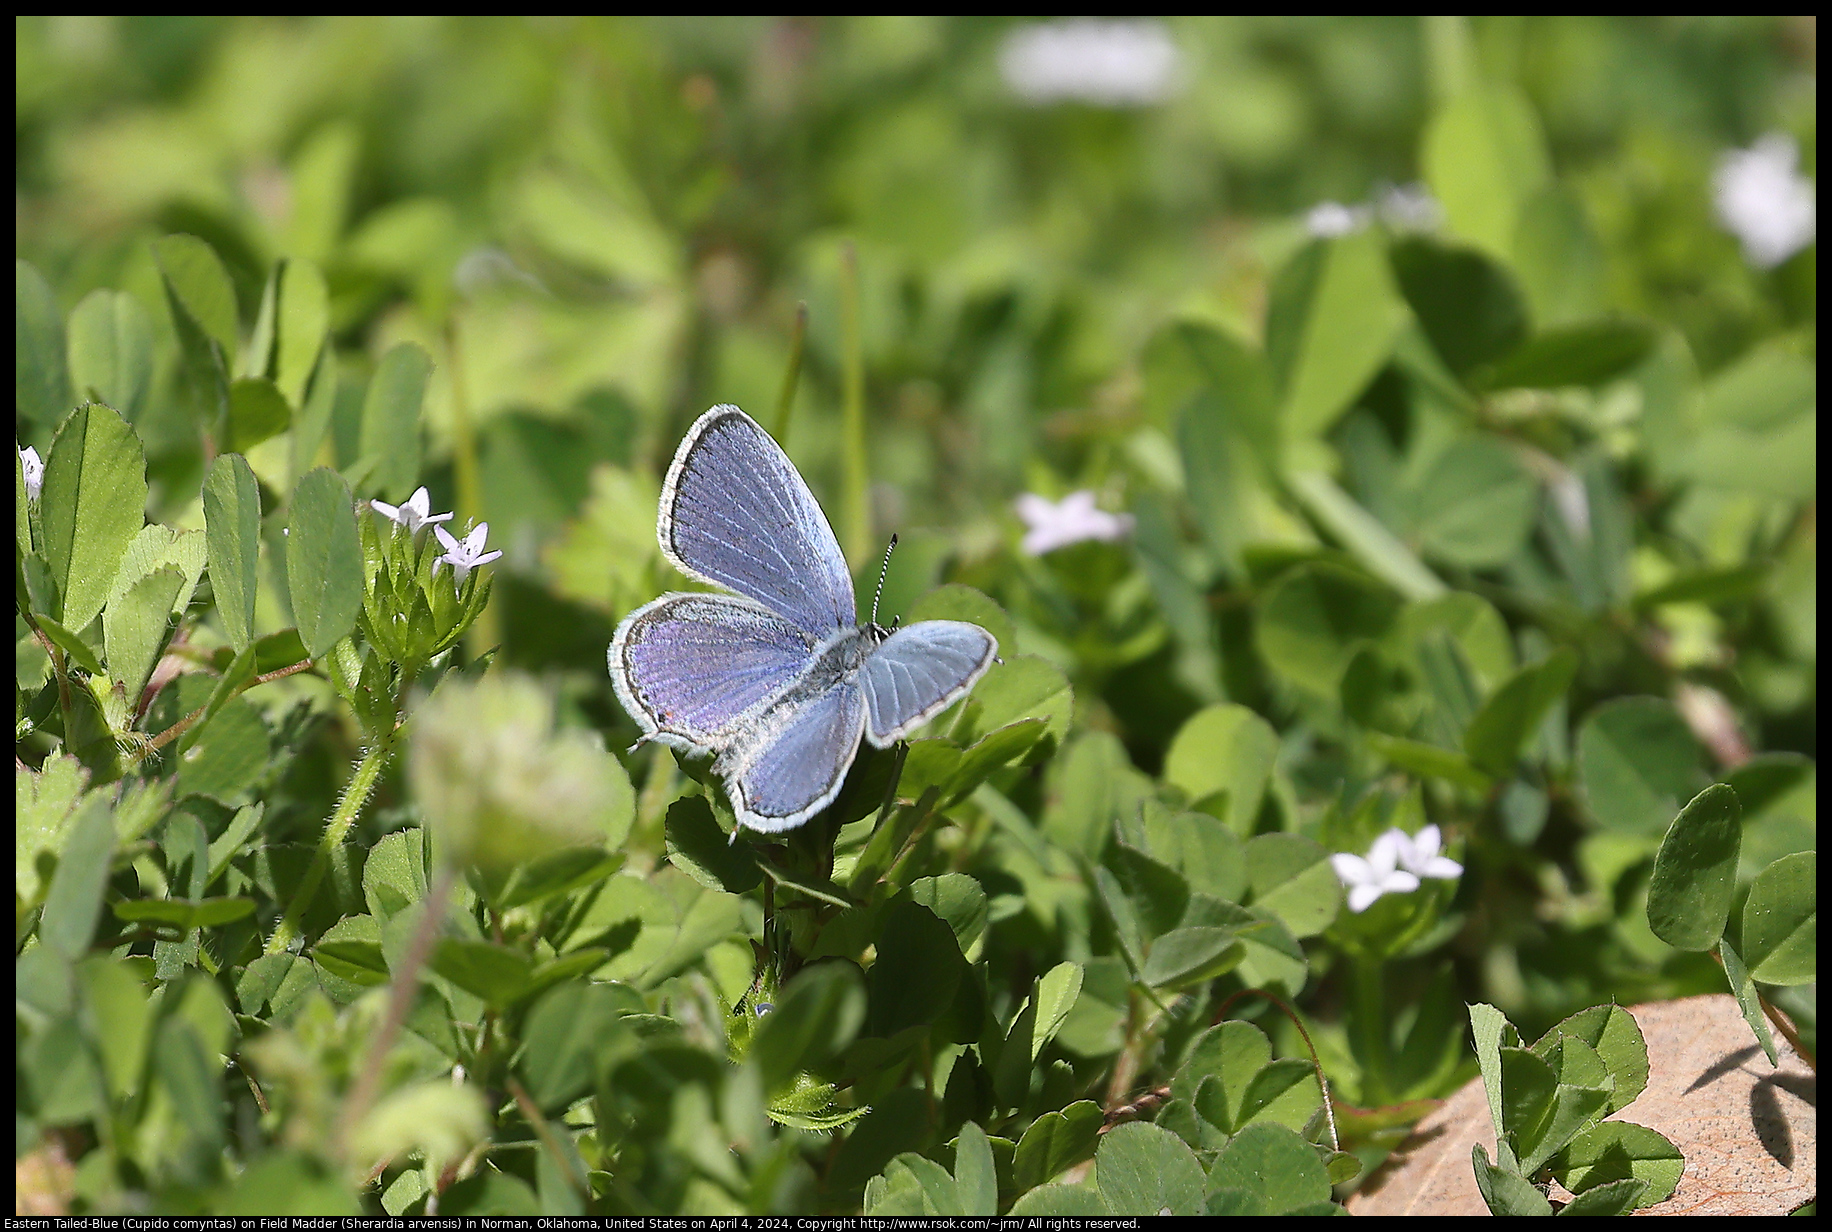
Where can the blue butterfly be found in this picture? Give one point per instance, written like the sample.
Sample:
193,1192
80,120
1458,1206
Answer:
780,681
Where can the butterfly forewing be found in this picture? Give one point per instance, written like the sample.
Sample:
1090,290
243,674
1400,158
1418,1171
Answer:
692,666
918,672
795,768
735,512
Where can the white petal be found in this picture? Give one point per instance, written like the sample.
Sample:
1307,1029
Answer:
1362,897
1399,883
445,539
1351,869
1442,867
1383,856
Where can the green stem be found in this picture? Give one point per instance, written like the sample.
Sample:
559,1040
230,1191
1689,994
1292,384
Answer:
356,794
785,401
855,513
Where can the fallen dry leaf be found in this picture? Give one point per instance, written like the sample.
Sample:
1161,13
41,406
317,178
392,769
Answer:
1749,1133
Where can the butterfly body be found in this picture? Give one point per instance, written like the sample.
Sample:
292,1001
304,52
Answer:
779,682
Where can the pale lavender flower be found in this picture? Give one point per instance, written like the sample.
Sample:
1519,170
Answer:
1329,219
34,469
413,513
1764,201
464,556
1378,873
1085,60
1049,525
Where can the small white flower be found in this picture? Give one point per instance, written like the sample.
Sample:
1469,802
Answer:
413,513
466,555
1049,526
1376,874
1418,854
1408,207
1106,63
1764,201
34,469
1328,219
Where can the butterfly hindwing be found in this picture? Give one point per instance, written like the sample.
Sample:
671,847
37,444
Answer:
918,672
794,767
735,512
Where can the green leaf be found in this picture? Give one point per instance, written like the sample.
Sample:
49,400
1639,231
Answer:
1484,158
816,1015
1586,354
1619,1151
1513,713
1142,1169
1332,324
324,561
1743,988
122,1016
1228,748
41,385
1089,784
918,969
75,900
1275,1163
257,412
1292,881
80,652
111,351
1055,996
1615,1198
232,525
1056,1142
1429,761
1203,850
495,973
1560,262
699,848
288,1181
1616,1038
134,628
570,1035
1695,871
1506,1192
959,900
93,504
1316,618
1636,761
997,748
1476,504
229,756
1022,687
1224,1060
1468,306
184,913
1490,1032
1185,957
1079,1201
159,547
1781,921
1364,536
974,1176
196,279
304,321
389,448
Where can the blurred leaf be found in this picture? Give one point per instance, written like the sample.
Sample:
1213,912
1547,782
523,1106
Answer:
232,524
389,449
495,973
1142,1169
918,968
571,1034
1091,782
291,1182
230,754
183,913
93,504
41,383
1315,619
1484,158
1022,687
956,602
1185,957
1780,921
1513,713
816,1016
257,412
1475,506
1558,258
1695,871
1370,543
111,351
1292,881
1080,1201
1637,760
1332,323
324,561
1469,307
75,900
1582,354
304,317
202,300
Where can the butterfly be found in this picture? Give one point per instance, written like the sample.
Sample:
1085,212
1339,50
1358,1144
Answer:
779,681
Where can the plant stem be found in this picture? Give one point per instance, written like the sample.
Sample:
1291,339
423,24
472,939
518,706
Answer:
400,1000
785,401
356,794
855,513
183,725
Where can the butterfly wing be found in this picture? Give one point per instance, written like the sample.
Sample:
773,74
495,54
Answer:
918,672
735,512
689,667
798,762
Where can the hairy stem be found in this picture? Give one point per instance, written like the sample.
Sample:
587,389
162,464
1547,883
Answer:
356,794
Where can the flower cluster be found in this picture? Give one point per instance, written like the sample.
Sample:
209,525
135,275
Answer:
1394,865
410,611
1763,200
1049,525
1083,60
1404,207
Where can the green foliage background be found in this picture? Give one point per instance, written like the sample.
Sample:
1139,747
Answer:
1507,526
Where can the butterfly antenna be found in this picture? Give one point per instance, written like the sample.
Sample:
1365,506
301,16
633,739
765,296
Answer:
883,569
